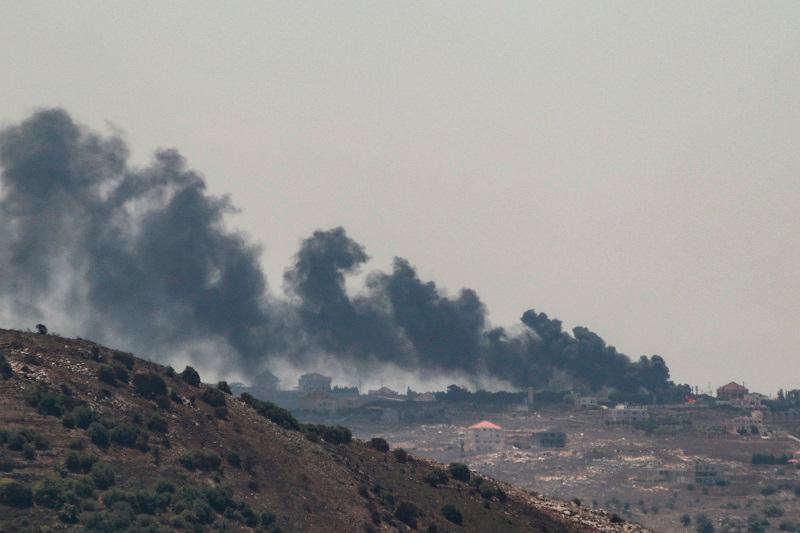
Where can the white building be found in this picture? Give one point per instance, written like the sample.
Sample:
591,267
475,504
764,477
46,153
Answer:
622,414
484,437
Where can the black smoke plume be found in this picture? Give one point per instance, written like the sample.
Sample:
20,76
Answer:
142,257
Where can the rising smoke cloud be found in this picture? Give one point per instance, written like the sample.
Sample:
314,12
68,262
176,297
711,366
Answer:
142,257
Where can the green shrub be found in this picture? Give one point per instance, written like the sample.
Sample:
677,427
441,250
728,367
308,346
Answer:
105,373
79,462
379,444
84,487
206,460
773,511
407,513
49,492
102,475
400,455
165,487
219,498
15,494
48,402
121,374
224,387
452,513
249,517
68,421
271,412
190,376
98,434
233,459
335,434
125,435
125,359
459,471
157,423
149,385
5,368
69,514
436,477
267,519
213,397
17,440
28,451
202,512
83,416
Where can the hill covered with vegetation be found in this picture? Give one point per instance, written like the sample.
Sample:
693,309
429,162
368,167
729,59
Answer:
96,439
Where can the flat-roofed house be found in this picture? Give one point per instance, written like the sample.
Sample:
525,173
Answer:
484,436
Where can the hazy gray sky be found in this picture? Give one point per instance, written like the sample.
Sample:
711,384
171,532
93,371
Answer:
633,167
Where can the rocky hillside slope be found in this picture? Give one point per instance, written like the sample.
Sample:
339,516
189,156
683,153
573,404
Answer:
96,439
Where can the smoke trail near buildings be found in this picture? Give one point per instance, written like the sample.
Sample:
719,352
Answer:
142,257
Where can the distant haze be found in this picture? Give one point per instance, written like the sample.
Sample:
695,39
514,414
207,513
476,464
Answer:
628,167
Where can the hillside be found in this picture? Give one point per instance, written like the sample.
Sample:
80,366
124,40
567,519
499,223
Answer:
93,438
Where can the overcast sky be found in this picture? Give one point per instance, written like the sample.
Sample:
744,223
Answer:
633,167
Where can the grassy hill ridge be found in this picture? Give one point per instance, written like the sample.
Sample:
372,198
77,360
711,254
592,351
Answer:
96,439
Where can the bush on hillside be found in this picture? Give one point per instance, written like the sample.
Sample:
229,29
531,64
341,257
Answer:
157,423
149,385
213,397
106,374
336,434
125,359
5,368
206,460
224,387
272,412
48,402
15,494
98,434
79,462
407,513
102,475
436,477
83,416
190,376
459,471
400,455
233,459
452,513
51,492
379,444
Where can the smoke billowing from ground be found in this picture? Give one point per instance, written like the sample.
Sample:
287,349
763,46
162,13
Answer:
142,257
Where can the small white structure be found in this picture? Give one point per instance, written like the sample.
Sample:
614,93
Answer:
586,402
484,436
622,414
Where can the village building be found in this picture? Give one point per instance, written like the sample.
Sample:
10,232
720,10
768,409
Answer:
793,396
384,392
425,397
622,414
484,436
314,382
707,474
550,439
731,391
665,474
750,425
748,401
586,402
